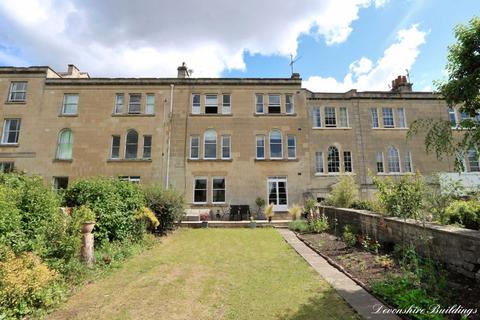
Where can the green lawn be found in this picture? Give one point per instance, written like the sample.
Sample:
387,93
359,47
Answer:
211,274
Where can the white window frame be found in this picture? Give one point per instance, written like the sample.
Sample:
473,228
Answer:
335,125
192,137
390,161
229,146
343,117
262,136
119,146
319,155
350,160
131,179
227,108
270,144
126,144
316,117
224,190
139,103
150,105
471,160
144,146
209,105
289,147
383,117
407,162
196,108
402,119
118,108
382,160
206,190
205,145
6,131
289,106
279,105
59,145
13,91
452,111
374,116
65,104
259,95
334,161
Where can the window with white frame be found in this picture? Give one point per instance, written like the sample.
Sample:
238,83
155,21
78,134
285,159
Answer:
316,117
379,162
388,118
11,131
347,161
259,103
131,145
333,160
260,146
195,104
452,117
276,150
211,104
319,162
374,114
65,145
6,167
402,123
226,148
226,104
343,121
393,160
218,190
134,103
147,147
407,162
200,190
131,179
291,147
473,163
194,147
150,105
70,104
330,117
18,91
115,152
289,107
119,103
210,144
274,103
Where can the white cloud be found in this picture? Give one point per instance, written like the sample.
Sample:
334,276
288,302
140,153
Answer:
363,75
151,38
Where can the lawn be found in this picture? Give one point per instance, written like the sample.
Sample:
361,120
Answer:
211,274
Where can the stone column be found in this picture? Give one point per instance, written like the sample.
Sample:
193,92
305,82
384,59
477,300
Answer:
86,253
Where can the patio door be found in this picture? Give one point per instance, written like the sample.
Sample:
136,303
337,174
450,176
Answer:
277,193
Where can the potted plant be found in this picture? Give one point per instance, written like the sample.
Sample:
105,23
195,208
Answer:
260,202
204,219
295,212
269,212
253,223
87,217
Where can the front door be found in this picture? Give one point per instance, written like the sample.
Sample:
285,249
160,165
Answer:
277,193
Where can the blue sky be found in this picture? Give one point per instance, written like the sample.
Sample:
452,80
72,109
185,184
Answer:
344,44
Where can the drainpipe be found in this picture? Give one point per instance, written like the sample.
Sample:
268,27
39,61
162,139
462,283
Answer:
170,116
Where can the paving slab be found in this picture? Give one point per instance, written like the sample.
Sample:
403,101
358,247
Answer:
360,300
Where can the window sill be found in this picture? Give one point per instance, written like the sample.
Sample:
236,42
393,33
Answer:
63,160
335,174
133,115
16,102
274,114
400,129
211,115
9,145
129,160
68,115
331,128
209,160
276,160
395,173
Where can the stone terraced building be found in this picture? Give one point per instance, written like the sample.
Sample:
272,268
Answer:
219,140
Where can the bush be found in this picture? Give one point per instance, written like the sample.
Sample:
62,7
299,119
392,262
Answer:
466,213
115,204
11,233
299,226
362,205
319,225
268,212
167,204
343,193
348,236
295,212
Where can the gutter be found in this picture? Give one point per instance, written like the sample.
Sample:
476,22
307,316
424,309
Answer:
170,116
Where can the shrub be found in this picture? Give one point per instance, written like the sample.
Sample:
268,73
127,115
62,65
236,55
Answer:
299,226
466,213
114,203
84,214
167,204
11,233
348,236
343,193
295,211
260,202
146,215
268,212
362,205
319,225
402,198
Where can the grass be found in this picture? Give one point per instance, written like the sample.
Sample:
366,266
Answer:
211,274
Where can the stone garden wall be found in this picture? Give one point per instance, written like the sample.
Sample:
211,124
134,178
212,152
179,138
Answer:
458,248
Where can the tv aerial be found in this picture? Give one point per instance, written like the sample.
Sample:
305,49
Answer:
293,60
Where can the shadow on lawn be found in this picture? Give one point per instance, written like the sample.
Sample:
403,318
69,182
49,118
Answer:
326,305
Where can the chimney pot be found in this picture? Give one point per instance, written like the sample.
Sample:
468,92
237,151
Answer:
182,71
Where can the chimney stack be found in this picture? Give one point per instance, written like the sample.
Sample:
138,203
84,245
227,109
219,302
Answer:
401,84
182,71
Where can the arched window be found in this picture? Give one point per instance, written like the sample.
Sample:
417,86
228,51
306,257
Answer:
131,145
333,159
276,151
65,143
393,160
210,144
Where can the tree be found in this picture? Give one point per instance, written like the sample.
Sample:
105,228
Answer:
462,89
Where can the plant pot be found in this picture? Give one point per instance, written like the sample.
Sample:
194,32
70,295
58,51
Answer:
204,224
253,224
87,226
269,219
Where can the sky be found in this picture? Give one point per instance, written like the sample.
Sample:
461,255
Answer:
340,44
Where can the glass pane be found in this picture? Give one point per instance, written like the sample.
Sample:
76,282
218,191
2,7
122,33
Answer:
211,100
274,99
200,196
210,150
272,192
201,184
218,196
